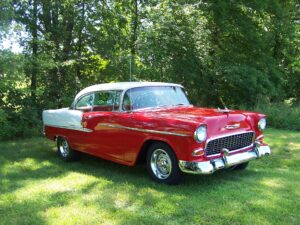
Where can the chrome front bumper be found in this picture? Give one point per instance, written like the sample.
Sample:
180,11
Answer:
211,166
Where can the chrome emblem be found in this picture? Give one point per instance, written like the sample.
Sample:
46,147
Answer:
225,152
232,126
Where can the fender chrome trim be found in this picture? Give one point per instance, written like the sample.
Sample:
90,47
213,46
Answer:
141,129
70,128
259,137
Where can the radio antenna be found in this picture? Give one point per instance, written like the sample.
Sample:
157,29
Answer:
130,66
223,103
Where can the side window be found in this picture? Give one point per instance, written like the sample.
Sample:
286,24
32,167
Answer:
86,101
107,101
117,99
103,99
127,102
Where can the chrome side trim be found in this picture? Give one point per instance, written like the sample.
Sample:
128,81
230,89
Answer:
71,128
209,167
141,130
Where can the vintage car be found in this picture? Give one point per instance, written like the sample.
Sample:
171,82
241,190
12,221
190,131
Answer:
154,123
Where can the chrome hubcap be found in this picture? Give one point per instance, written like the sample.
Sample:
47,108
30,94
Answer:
64,148
161,164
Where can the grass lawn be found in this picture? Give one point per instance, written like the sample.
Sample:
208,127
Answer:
36,187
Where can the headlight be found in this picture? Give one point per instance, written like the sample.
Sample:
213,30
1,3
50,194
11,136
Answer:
200,134
262,124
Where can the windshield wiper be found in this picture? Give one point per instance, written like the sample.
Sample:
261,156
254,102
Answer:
179,104
161,106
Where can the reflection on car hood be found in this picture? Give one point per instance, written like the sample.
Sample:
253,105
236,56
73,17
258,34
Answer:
191,113
215,119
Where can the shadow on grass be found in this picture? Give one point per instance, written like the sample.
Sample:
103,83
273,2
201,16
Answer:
126,195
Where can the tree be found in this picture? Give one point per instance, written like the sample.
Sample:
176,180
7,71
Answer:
233,52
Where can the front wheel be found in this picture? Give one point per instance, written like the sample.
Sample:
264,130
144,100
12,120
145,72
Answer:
64,151
162,164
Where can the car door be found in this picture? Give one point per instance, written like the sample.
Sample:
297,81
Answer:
127,134
101,141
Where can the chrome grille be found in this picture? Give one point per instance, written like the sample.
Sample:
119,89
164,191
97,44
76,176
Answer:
233,142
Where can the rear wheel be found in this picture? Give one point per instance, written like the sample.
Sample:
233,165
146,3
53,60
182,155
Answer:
64,151
162,164
241,166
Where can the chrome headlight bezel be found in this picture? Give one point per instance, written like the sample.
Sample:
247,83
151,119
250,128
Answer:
200,134
262,123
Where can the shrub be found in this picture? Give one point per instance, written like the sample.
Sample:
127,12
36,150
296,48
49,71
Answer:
281,115
21,124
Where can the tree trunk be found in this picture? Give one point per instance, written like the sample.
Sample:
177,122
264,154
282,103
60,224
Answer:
80,43
34,70
134,25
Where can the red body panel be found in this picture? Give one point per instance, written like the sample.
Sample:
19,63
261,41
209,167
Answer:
119,136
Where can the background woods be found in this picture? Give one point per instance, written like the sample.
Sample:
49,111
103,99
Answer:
246,53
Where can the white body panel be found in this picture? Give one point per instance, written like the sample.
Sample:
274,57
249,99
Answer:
65,118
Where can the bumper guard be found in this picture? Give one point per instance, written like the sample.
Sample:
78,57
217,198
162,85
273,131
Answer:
211,166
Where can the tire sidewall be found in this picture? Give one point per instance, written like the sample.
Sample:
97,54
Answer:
70,156
176,174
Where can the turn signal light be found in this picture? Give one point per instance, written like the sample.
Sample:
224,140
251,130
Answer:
84,124
198,152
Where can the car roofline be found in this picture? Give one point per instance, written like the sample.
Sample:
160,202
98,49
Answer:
122,86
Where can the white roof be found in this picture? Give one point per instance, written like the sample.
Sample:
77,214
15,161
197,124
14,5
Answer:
121,86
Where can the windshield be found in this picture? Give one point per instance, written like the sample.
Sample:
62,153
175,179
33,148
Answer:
148,97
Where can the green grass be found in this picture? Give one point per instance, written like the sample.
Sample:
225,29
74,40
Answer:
36,187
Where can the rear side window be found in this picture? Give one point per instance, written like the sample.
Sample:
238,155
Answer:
107,101
85,101
100,101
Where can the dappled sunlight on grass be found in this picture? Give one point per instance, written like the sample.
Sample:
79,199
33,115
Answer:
38,188
272,183
74,214
27,164
70,182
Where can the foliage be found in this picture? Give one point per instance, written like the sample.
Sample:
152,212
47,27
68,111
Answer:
6,16
281,115
38,188
221,51
18,117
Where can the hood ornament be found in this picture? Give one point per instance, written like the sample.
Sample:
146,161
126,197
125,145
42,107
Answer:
232,126
224,110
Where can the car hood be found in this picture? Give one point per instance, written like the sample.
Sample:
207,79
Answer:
216,120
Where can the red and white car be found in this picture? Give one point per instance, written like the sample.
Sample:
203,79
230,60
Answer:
154,123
